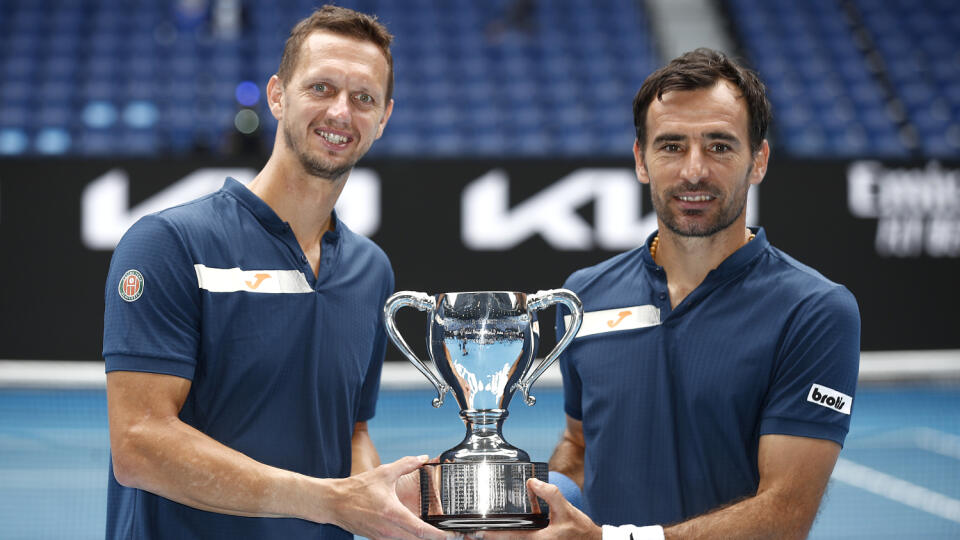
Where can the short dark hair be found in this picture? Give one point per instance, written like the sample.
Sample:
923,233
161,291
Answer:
699,69
342,21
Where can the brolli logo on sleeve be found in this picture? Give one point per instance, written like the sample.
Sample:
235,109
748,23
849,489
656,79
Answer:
830,398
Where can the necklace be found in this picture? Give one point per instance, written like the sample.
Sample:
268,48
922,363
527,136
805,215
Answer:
655,243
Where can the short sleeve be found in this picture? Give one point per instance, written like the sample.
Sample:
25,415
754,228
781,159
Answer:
371,383
816,374
572,388
151,303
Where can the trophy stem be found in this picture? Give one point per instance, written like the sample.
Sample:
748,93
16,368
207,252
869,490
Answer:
484,418
483,427
484,439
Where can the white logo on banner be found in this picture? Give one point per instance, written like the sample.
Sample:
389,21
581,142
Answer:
106,213
917,210
489,223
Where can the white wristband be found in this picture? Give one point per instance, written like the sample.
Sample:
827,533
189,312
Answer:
632,532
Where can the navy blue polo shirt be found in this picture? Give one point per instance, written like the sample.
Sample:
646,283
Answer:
282,363
674,401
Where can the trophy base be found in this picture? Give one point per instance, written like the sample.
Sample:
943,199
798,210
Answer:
482,495
478,522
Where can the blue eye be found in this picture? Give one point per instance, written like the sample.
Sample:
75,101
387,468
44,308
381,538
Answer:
365,98
320,87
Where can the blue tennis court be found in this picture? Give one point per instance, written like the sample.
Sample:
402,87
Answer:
899,474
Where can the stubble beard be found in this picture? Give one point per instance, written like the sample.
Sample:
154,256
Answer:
726,216
312,165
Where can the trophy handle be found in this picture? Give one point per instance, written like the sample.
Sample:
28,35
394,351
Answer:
423,302
542,300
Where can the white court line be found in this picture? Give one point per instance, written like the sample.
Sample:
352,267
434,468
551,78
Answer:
897,490
922,437
875,366
896,366
52,374
932,440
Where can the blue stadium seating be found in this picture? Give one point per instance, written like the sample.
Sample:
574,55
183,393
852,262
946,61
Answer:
499,78
919,46
858,78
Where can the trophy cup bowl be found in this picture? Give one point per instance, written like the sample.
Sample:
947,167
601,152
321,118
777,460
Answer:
483,346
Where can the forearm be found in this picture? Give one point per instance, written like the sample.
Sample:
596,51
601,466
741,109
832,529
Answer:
364,456
176,461
567,459
766,515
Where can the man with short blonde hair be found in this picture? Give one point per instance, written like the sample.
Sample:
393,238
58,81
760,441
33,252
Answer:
243,336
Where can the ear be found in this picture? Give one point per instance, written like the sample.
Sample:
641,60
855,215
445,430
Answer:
386,116
760,159
275,96
639,164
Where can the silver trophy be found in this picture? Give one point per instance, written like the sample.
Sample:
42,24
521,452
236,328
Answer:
483,345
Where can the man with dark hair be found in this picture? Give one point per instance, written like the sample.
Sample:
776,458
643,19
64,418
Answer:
709,389
243,336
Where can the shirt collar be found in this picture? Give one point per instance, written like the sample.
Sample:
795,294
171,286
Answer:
267,216
742,257
732,264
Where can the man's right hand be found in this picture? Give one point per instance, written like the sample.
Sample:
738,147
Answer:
367,504
566,522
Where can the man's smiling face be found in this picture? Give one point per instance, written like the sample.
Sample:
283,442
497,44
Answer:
698,161
333,107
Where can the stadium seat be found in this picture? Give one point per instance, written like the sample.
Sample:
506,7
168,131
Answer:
475,78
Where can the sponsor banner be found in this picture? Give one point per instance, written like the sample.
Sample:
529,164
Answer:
916,209
888,231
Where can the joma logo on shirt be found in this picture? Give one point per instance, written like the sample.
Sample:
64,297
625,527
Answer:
259,280
623,315
830,398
